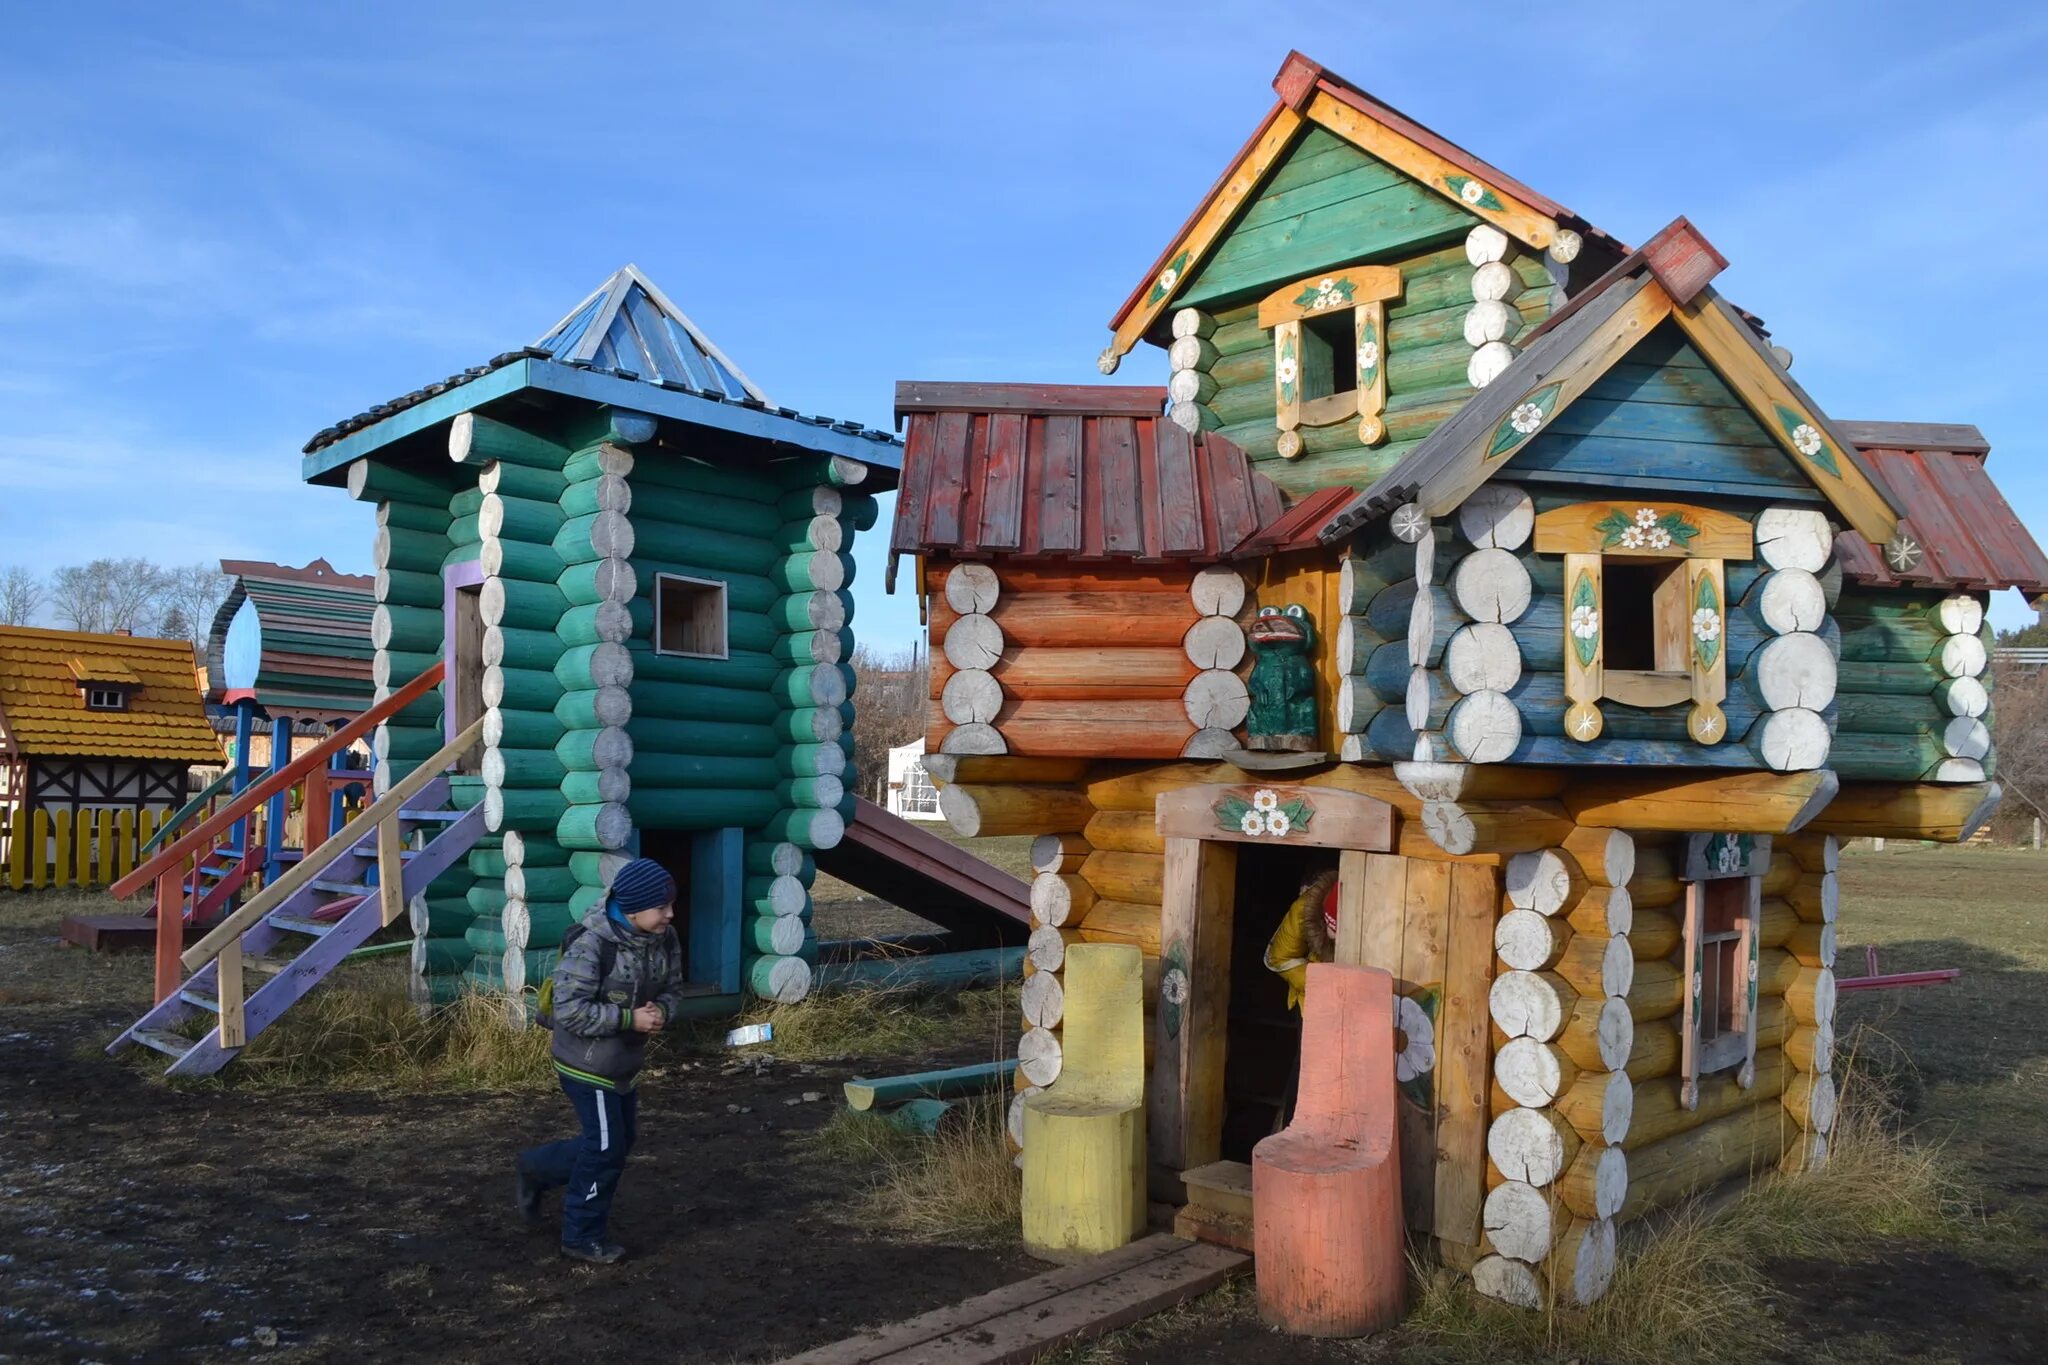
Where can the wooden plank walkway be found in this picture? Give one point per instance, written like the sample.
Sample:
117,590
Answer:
1020,1321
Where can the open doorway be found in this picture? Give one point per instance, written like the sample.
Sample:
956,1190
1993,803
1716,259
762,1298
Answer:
1263,1056
707,866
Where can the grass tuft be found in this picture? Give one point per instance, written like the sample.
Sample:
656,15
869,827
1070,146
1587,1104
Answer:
884,1023
956,1185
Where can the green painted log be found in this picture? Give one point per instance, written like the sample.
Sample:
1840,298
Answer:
812,501
550,922
813,829
408,629
585,899
811,685
1889,641
509,729
1877,714
817,571
446,918
951,1083
486,896
1888,605
778,860
777,895
531,849
522,519
710,547
654,504
747,593
408,744
418,551
600,457
606,493
522,768
809,725
405,514
513,647
523,481
603,580
463,792
846,744
597,788
474,439
593,708
695,476
659,769
590,868
409,588
812,611
520,689
527,807
861,510
812,646
465,502
678,701
538,964
746,632
438,956
710,738
521,560
370,480
837,470
540,885
811,533
594,536
462,554
700,808
486,862
812,760
466,530
593,623
738,670
486,935
777,935
595,828
1887,676
593,750
581,667
782,979
1884,758
522,605
928,972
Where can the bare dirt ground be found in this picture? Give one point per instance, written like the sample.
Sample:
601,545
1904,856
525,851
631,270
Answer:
142,1221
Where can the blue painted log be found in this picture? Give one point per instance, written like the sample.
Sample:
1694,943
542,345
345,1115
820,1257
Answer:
864,1093
941,972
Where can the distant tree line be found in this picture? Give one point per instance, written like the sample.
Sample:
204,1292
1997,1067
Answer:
174,602
889,697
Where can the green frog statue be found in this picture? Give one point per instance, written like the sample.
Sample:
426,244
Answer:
1283,683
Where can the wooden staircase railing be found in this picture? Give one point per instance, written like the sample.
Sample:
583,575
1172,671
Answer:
169,867
223,943
188,810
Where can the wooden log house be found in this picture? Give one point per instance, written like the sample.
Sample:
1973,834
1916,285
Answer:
294,641
1507,571
636,567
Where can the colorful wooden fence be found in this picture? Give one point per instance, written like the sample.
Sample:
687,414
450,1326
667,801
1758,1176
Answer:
72,848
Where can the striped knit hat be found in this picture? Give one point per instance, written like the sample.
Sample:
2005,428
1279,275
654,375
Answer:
641,885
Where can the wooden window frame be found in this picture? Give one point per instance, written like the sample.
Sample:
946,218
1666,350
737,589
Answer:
1711,858
662,581
1362,292
106,698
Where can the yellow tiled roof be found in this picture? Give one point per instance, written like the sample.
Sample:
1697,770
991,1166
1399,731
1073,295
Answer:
42,710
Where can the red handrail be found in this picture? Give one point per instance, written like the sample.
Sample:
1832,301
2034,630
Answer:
293,773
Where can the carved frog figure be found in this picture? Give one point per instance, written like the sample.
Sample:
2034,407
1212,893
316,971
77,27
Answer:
1283,682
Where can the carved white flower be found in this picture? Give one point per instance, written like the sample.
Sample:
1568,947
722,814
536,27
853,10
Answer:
1253,823
1526,418
1706,624
1473,192
1287,370
1657,538
1728,857
1326,294
1585,622
1174,986
1418,1058
1632,538
1646,516
1265,798
1167,278
1806,439
1368,355
1277,822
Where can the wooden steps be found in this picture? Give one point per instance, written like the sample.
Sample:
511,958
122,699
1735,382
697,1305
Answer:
1021,1321
1219,1207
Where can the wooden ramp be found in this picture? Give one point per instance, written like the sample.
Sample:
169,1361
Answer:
982,906
1020,1321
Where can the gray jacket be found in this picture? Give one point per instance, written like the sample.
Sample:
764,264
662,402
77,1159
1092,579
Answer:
594,1040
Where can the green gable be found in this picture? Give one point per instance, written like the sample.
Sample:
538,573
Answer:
1662,419
1327,203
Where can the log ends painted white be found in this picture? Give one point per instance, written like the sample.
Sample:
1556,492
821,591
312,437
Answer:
1484,727
971,696
1491,585
1792,741
1218,591
1497,516
1217,699
974,640
1039,1056
1794,538
1796,670
972,589
1215,642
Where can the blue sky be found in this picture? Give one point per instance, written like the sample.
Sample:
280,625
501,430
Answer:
224,226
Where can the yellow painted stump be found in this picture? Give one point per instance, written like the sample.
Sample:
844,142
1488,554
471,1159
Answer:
1084,1136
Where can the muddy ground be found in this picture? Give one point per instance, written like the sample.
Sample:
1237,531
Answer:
140,1221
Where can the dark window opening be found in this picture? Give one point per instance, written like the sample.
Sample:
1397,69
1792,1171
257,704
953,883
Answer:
106,699
1723,904
1643,615
1262,1061
689,617
1329,355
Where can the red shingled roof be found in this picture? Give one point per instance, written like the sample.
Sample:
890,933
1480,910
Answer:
1972,537
1075,472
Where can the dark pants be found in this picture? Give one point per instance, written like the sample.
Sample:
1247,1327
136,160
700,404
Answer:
588,1165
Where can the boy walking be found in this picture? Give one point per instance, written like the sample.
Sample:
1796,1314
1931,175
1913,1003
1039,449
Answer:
619,980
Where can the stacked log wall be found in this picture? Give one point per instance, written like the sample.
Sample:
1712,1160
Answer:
1915,701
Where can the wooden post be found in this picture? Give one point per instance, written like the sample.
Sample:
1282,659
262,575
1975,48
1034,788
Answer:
245,722
390,874
1198,892
170,929
227,980
280,804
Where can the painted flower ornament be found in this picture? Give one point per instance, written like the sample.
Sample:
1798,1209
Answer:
1368,355
1174,986
1526,418
1253,823
1168,278
1806,438
1288,370
1706,624
1585,622
1417,1056
1277,823
1265,799
1473,192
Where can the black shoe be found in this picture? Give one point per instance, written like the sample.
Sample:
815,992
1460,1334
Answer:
596,1253
526,1193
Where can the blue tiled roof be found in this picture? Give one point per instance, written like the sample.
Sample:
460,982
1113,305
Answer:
629,326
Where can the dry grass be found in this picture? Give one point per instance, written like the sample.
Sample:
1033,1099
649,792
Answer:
957,1185
887,1023
1696,1285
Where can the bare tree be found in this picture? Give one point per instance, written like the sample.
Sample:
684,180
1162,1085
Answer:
21,596
889,708
107,595
2019,737
195,592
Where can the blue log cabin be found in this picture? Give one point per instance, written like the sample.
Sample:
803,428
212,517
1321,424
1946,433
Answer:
1503,575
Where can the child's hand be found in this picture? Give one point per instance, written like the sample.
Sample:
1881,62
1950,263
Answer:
648,1019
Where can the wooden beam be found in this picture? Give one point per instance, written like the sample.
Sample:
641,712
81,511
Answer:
1455,183
1948,813
1792,419
1737,803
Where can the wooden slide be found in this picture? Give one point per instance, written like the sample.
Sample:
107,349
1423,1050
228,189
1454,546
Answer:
978,904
